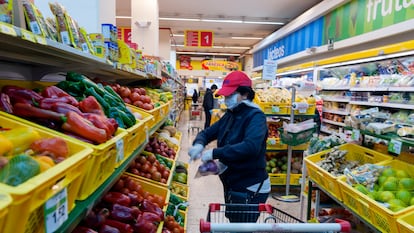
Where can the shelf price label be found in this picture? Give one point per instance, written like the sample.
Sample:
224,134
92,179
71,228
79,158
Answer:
7,29
119,150
395,146
275,109
40,40
56,211
27,35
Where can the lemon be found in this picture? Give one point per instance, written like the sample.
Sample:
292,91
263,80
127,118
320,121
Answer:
385,196
404,196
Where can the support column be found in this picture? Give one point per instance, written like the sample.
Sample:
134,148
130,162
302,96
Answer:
145,26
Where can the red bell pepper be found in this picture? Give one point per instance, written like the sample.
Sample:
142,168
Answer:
55,146
30,111
108,229
5,104
64,108
91,105
117,198
101,121
79,137
53,92
20,94
122,227
151,217
144,226
95,220
78,125
47,103
121,213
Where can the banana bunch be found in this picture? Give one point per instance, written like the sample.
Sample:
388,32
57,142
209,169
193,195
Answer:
271,94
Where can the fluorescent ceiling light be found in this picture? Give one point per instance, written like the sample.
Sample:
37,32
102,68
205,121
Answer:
178,35
236,47
218,47
202,53
123,17
220,21
246,38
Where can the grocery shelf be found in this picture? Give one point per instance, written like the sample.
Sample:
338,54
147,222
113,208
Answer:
333,122
82,207
336,99
401,89
387,136
369,89
50,56
338,112
384,105
335,88
326,131
313,185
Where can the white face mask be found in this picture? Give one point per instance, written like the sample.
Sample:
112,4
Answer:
231,100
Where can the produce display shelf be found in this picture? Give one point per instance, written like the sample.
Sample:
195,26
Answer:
387,136
335,88
53,56
338,112
82,207
384,105
333,122
336,99
369,89
314,185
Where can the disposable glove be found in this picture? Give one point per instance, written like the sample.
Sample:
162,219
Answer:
207,155
195,151
211,111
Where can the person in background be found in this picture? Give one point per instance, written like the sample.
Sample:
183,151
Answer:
195,96
241,145
208,104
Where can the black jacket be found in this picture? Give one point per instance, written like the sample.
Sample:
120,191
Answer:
208,100
241,147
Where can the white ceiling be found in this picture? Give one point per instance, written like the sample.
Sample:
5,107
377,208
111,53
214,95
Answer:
248,10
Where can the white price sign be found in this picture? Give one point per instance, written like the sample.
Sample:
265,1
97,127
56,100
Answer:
269,70
395,146
275,109
119,150
56,211
355,135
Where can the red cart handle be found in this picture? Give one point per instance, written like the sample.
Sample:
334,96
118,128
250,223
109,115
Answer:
205,226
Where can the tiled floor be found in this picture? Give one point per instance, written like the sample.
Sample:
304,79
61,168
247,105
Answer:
208,189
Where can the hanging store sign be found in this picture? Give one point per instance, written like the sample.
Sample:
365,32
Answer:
125,34
185,63
196,38
269,69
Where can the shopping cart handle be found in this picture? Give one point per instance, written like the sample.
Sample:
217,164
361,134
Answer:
345,225
205,226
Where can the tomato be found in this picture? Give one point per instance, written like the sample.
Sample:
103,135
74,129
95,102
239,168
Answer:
156,176
127,100
125,92
137,103
119,185
143,91
166,174
134,171
145,168
151,158
142,159
134,96
153,169
159,200
132,184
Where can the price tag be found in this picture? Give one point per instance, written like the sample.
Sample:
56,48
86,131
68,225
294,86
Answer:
395,146
119,150
355,134
146,135
275,109
56,211
7,29
41,40
26,35
272,141
303,110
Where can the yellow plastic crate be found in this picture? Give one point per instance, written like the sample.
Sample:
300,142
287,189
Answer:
186,166
274,108
156,182
5,201
328,181
136,134
178,136
158,113
295,179
372,211
185,214
310,111
406,223
277,179
181,186
275,144
29,197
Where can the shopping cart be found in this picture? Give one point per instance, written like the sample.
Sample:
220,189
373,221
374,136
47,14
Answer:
195,117
269,219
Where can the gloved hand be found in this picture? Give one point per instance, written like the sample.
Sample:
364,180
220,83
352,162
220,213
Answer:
207,155
211,111
195,151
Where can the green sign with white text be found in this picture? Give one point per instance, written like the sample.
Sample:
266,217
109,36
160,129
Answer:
361,16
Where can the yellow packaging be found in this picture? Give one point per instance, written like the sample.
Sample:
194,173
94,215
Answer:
61,25
88,41
124,53
6,11
98,43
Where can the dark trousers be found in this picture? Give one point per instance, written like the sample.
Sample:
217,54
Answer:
208,118
243,212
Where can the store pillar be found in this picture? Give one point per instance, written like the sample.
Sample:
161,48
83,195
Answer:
145,26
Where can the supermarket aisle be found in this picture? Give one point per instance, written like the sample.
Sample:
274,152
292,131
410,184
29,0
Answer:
208,189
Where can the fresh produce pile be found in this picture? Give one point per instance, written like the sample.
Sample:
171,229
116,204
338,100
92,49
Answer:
178,189
335,162
316,144
273,129
277,163
126,208
151,166
158,146
112,104
390,186
180,173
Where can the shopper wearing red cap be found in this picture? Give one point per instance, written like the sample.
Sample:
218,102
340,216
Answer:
241,145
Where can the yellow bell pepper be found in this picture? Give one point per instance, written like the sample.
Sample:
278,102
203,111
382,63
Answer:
6,145
45,162
21,138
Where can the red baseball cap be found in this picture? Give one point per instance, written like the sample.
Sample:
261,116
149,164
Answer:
232,81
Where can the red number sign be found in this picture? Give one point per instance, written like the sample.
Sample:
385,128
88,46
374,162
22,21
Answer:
191,38
206,39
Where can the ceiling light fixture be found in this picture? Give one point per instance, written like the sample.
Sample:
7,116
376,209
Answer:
246,38
218,46
221,21
123,17
202,53
178,35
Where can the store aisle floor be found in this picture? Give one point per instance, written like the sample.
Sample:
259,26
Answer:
208,189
